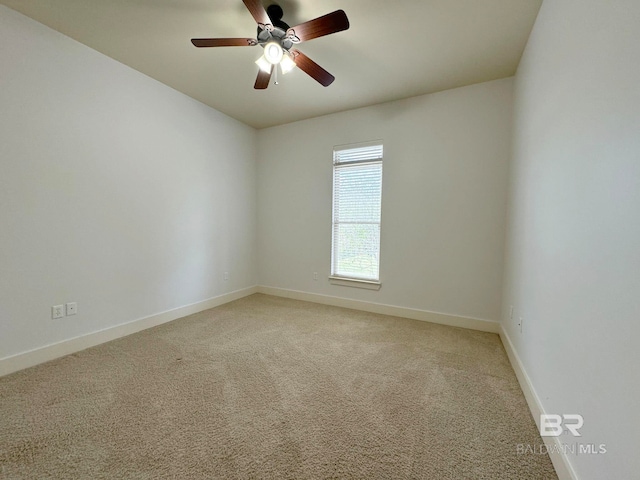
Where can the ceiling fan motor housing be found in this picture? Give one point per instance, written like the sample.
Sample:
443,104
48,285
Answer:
275,13
276,35
279,32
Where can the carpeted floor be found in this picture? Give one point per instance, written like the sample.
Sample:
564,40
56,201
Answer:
271,388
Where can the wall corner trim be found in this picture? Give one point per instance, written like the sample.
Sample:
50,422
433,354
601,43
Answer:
560,460
392,310
66,347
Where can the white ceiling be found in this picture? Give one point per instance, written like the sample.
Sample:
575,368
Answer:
393,50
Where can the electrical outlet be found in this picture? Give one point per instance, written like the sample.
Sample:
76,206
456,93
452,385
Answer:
57,311
520,324
315,276
226,276
72,308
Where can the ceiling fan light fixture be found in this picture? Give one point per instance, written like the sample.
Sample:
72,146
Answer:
273,53
287,64
264,64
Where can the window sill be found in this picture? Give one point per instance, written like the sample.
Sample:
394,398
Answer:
353,282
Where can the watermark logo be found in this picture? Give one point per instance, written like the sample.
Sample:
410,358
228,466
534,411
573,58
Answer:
564,449
552,425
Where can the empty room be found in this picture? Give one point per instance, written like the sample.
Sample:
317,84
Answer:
340,239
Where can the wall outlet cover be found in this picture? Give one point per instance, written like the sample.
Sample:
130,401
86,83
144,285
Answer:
72,308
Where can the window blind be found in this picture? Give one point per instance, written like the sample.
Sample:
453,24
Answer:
357,196
359,154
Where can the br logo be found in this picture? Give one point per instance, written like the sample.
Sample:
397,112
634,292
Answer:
554,425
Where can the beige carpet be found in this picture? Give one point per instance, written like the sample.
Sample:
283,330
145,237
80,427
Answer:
274,388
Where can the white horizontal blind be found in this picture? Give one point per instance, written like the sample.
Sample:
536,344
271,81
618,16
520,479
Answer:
357,196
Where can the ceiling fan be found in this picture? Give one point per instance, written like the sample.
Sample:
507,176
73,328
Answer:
278,40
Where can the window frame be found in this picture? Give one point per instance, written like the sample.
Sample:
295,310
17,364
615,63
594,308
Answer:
335,278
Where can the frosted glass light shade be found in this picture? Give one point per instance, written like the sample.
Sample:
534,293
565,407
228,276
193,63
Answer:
273,53
287,64
264,65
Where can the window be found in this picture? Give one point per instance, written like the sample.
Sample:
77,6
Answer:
357,196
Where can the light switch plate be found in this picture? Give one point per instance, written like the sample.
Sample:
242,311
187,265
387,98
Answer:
57,311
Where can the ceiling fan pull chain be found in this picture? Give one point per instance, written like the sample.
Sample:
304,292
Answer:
275,68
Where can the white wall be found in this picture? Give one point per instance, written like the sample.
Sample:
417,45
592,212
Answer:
443,200
573,251
116,192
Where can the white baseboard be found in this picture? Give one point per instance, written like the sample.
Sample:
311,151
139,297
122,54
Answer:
66,347
414,314
560,460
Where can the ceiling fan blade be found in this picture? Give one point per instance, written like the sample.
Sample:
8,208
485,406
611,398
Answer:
331,23
257,11
223,42
312,69
263,79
